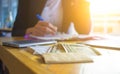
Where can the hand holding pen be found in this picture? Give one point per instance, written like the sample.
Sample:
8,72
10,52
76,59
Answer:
42,28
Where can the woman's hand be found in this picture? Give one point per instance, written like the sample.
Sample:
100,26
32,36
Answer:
42,28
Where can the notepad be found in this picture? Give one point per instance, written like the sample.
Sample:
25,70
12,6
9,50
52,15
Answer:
58,36
40,49
64,36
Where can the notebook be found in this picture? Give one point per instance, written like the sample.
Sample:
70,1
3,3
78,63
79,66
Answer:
66,37
26,43
58,36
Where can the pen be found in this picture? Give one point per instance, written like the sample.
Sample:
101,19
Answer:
39,17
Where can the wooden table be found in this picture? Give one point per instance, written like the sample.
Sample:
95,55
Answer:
22,61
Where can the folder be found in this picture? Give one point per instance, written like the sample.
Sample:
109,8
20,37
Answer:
57,58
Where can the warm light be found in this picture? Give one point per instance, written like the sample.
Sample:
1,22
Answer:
103,12
105,6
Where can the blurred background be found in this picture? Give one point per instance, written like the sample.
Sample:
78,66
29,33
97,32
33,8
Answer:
105,16
8,10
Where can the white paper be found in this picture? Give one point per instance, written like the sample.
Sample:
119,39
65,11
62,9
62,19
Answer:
40,49
72,30
59,36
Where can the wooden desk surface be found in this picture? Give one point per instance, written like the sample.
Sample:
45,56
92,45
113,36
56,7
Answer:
6,29
22,61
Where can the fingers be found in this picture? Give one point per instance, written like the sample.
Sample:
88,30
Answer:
45,27
42,28
34,31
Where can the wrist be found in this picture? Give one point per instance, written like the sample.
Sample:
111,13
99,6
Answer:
27,33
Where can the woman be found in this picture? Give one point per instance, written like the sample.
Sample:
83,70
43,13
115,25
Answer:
66,11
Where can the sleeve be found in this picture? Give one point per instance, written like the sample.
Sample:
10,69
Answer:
26,15
20,24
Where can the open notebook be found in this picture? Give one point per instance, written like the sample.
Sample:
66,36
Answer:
64,36
59,36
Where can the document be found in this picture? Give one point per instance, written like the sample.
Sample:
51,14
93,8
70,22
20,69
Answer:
58,36
40,49
64,36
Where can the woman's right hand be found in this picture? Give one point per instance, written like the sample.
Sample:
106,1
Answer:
42,28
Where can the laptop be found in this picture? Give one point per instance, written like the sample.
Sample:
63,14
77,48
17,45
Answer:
27,43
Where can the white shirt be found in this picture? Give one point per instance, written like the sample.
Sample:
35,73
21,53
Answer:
53,12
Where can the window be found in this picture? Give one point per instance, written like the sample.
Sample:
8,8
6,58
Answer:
105,16
8,10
